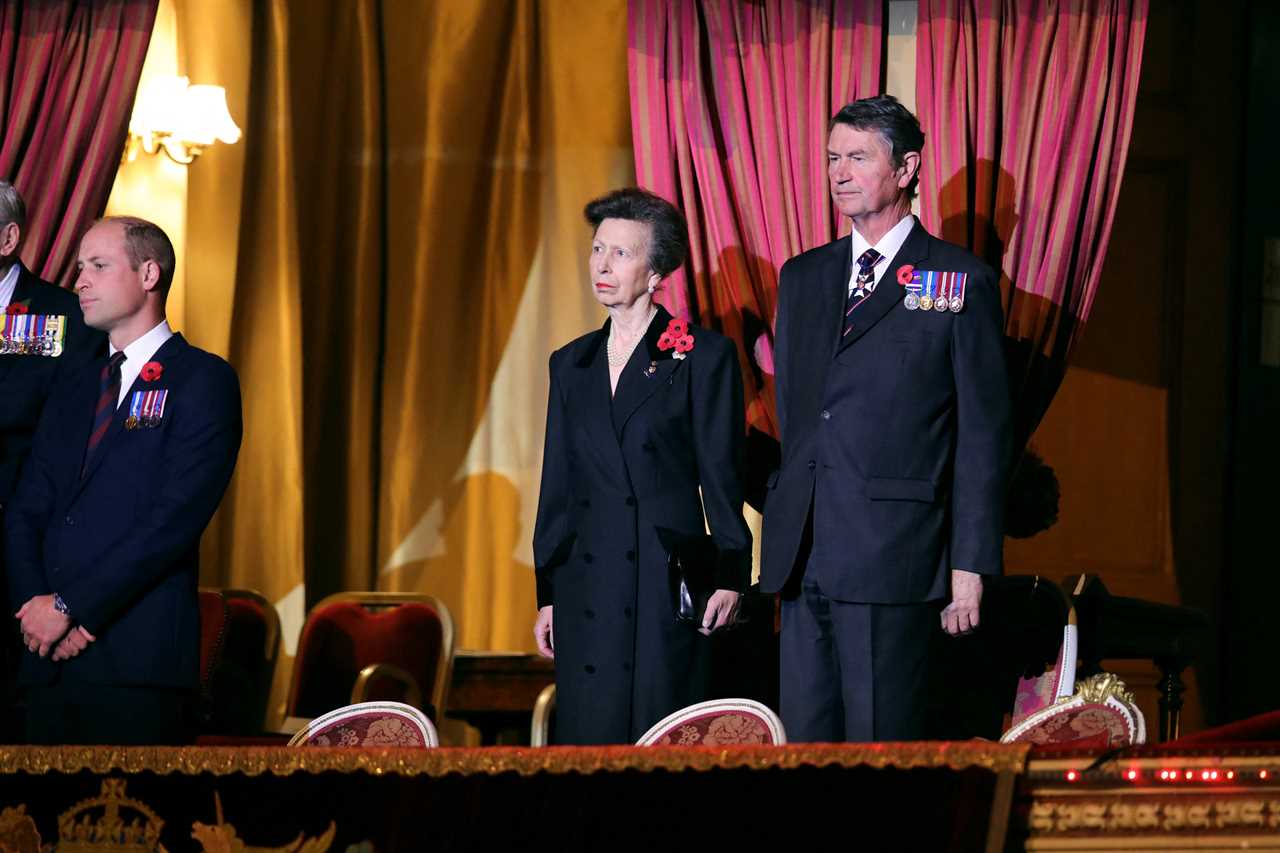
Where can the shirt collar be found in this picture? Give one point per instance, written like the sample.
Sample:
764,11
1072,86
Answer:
144,347
889,244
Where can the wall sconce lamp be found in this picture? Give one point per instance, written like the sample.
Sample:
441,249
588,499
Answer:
182,120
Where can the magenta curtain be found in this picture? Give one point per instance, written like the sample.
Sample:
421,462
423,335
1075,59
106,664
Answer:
68,74
729,110
1027,109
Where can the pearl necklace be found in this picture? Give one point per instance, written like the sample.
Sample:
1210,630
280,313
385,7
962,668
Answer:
618,358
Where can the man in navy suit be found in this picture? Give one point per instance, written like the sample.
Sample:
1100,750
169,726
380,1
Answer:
44,336
130,460
894,412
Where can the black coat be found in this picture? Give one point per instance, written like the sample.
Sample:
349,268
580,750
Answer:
897,435
26,380
615,471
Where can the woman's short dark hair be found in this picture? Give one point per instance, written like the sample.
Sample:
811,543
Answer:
670,241
895,124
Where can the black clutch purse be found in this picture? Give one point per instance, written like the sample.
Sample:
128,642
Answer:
691,563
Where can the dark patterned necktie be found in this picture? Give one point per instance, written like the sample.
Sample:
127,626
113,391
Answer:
863,285
108,396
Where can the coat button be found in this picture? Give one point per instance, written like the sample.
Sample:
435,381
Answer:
647,447
589,613
584,503
587,558
626,611
631,555
812,464
631,501
826,416
626,667
589,669
71,522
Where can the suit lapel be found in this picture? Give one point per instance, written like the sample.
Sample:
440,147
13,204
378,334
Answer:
888,293
590,399
637,384
169,352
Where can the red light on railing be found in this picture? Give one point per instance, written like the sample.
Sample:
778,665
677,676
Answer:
1189,774
1262,774
1166,775
1132,775
1231,774
1204,775
1072,775
1214,775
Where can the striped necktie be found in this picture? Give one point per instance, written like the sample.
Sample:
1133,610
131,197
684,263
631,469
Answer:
108,397
863,285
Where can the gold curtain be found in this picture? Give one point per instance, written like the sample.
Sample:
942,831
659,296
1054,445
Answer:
411,249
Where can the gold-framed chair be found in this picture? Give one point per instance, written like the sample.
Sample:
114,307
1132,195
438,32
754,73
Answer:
543,708
401,638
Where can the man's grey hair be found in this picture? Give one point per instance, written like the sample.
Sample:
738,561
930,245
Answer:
12,207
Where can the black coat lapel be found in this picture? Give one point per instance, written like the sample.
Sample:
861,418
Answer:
169,352
638,381
888,292
589,399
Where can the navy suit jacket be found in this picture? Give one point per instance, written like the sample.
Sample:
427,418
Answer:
27,380
121,543
895,438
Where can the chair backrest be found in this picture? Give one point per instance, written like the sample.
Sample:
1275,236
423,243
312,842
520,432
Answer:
370,724
543,709
213,632
241,684
347,632
382,682
717,722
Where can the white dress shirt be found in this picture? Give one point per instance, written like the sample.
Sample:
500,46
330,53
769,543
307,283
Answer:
8,285
139,353
888,248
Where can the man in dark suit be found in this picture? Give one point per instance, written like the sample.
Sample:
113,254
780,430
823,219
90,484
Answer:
129,462
894,411
44,336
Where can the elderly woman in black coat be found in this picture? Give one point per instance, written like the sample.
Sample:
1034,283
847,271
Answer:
645,428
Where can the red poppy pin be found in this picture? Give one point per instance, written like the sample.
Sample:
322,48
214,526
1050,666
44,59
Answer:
16,308
676,337
151,371
906,273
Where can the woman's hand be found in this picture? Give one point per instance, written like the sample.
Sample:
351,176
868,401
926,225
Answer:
722,611
544,634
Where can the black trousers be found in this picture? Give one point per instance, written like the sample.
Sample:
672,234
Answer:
854,672
68,712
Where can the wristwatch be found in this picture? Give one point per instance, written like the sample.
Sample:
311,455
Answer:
60,605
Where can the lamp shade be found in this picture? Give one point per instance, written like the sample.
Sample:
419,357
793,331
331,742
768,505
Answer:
203,117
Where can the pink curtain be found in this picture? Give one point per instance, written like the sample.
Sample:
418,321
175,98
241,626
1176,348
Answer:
1027,109
729,110
68,74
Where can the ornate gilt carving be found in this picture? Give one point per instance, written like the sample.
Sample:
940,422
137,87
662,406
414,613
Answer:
1170,815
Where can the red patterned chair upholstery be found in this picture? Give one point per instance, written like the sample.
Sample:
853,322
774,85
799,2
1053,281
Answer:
1054,710
718,722
370,724
406,637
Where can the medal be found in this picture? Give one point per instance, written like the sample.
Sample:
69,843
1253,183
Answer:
911,302
944,285
131,422
957,298
930,282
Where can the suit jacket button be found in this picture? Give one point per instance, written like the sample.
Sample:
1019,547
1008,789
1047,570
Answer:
812,464
631,555
626,667
826,416
631,501
626,611
71,522
587,558
589,613
647,447
589,669
584,502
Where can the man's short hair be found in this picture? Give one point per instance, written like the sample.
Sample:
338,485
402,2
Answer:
12,207
146,241
670,241
896,125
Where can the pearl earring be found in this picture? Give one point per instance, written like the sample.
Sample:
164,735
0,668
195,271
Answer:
651,289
